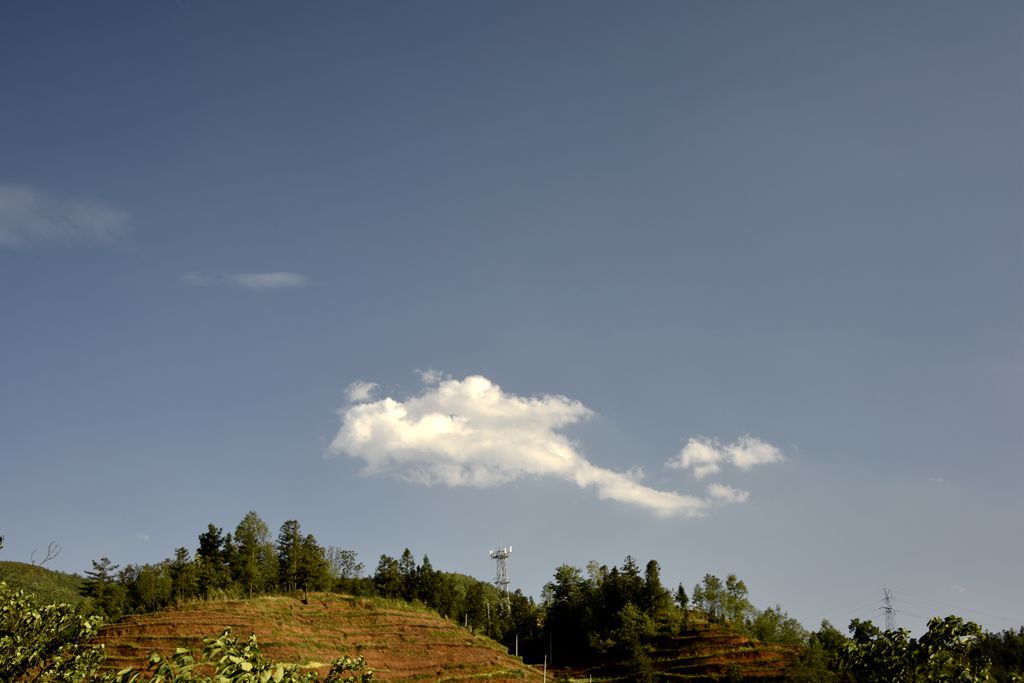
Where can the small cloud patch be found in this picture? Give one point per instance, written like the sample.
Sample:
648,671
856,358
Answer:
30,216
252,281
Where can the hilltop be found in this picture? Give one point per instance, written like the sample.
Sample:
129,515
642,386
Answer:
401,641
405,642
47,585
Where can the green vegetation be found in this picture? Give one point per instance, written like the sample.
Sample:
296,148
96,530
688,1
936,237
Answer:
51,644
45,642
619,622
46,584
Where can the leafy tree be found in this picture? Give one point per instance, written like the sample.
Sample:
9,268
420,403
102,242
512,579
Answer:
1006,652
148,587
312,572
45,643
773,625
254,564
943,654
819,660
184,577
344,564
735,607
707,596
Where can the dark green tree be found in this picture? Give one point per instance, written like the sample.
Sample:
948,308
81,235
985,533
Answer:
313,572
184,576
566,606
101,585
387,580
211,561
407,568
289,553
632,638
657,601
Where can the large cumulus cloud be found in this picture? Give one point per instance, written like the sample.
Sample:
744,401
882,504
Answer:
469,432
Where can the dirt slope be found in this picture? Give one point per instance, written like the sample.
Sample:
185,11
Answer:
710,653
400,642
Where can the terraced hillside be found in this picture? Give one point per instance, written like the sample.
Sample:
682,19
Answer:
711,653
400,642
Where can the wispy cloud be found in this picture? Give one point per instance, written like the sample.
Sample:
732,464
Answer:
255,281
470,432
704,456
29,216
360,391
727,494
430,376
278,280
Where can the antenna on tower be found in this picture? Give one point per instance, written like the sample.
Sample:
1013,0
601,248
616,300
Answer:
500,556
889,610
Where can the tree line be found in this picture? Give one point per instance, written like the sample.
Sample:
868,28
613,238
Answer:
244,563
588,616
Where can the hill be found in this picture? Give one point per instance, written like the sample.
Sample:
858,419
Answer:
401,642
46,584
702,655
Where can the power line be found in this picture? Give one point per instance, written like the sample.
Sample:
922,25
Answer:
961,608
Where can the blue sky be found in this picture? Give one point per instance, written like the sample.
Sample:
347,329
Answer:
458,274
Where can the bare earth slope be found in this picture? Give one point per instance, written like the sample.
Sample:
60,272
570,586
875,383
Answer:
705,655
400,642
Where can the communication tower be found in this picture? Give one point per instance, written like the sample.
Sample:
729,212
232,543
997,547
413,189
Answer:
500,556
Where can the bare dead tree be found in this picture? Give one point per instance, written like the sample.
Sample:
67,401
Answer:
52,551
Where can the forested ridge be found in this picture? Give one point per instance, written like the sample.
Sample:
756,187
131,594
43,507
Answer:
618,620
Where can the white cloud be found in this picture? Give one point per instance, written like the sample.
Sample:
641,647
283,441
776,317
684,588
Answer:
257,281
471,433
430,376
277,280
360,391
727,494
705,455
699,454
748,451
29,216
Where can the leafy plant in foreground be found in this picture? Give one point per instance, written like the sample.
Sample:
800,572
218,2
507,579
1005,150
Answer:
236,662
47,642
